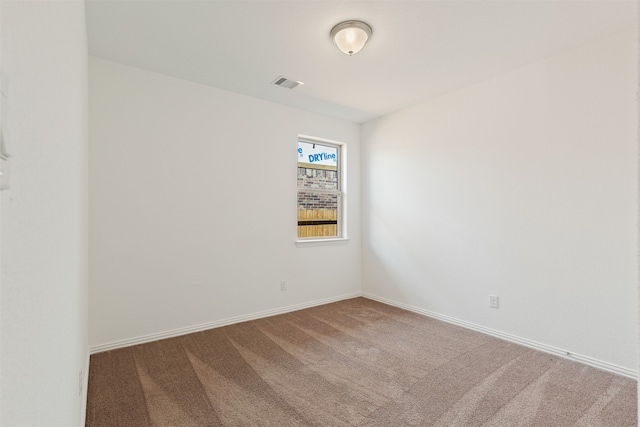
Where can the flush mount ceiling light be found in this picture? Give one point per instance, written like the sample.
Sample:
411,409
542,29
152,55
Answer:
350,36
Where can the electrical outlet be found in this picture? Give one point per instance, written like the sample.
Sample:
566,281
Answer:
283,285
493,301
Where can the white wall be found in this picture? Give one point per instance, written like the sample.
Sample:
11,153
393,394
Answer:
193,206
522,186
44,215
638,193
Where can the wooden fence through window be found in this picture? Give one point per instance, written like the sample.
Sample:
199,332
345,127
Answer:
317,223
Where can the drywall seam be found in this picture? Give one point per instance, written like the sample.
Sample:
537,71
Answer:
216,324
605,366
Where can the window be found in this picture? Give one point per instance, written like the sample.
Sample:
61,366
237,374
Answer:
320,190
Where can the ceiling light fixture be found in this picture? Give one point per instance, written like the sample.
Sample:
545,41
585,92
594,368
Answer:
350,36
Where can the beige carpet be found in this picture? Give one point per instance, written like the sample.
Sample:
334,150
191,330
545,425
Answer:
355,362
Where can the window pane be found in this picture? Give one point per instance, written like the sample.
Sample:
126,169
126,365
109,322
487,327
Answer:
317,178
317,214
317,166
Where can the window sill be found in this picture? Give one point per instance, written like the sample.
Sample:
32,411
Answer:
321,242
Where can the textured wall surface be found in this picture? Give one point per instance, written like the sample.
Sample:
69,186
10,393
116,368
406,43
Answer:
44,215
180,233
523,186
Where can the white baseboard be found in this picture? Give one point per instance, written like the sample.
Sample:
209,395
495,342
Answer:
629,373
216,324
605,366
85,391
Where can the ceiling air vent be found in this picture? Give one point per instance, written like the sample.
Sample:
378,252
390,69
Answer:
285,82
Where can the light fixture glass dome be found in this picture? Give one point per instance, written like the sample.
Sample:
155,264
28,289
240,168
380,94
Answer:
350,36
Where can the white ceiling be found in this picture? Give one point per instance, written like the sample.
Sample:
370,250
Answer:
419,49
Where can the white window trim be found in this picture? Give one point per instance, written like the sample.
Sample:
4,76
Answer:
329,241
342,209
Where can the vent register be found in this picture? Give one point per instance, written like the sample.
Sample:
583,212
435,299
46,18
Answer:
286,82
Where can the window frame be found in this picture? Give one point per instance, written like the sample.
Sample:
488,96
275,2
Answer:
341,193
